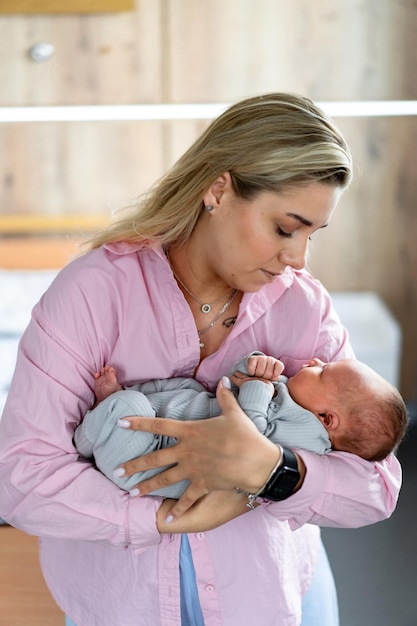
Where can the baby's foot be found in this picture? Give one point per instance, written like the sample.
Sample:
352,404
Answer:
106,383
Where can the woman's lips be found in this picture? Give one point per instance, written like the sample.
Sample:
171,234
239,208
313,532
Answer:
271,276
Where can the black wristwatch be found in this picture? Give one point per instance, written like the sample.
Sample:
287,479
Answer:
282,483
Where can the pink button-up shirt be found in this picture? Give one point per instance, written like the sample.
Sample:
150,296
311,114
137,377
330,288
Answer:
101,553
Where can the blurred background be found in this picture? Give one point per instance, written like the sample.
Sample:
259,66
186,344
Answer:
61,177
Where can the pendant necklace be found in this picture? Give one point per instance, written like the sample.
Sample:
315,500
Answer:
205,307
218,316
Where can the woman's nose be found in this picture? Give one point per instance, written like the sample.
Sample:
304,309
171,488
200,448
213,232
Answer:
295,254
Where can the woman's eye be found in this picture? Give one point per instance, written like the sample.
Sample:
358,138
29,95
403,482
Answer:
283,233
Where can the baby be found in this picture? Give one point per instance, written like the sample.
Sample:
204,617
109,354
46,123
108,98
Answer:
341,405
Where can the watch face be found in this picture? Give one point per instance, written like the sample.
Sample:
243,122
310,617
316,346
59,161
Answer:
286,480
283,482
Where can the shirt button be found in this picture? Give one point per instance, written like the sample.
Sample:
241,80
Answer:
209,588
200,535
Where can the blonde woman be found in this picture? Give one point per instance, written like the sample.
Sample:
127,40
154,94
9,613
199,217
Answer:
208,266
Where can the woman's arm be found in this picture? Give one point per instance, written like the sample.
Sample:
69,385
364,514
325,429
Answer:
45,488
211,511
342,490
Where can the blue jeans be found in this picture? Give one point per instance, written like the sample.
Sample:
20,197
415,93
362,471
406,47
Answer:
320,601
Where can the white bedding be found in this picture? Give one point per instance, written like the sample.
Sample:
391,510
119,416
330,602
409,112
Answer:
19,292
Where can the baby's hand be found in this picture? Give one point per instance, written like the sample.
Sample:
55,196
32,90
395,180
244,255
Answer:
263,366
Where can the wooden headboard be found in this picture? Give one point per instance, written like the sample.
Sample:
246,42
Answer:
44,241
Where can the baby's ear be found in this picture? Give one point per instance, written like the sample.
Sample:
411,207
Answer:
329,419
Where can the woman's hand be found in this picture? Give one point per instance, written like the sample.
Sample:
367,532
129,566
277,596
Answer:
219,453
211,511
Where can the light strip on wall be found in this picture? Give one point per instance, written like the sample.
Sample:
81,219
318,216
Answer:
131,112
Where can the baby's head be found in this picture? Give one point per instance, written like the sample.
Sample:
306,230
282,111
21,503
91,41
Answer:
362,413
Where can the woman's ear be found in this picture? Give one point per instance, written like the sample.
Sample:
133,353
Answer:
215,192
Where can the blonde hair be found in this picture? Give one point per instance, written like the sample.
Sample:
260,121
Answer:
267,143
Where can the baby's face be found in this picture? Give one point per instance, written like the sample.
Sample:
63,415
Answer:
315,386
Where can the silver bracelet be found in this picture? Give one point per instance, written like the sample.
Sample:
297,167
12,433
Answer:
252,496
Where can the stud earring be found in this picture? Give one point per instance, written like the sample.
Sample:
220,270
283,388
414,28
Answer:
209,208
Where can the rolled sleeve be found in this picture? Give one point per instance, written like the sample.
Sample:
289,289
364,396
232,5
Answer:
141,522
368,495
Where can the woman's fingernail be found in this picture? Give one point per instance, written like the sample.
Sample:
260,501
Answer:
169,519
226,382
123,423
119,472
134,492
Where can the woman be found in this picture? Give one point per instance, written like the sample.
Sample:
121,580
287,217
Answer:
210,266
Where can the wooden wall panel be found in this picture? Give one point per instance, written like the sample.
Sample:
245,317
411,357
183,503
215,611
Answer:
220,51
207,51
77,167
328,49
112,58
64,6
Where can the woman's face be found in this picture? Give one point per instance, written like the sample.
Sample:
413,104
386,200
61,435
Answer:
250,243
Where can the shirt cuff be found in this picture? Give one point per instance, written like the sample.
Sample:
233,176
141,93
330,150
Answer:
299,508
141,522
